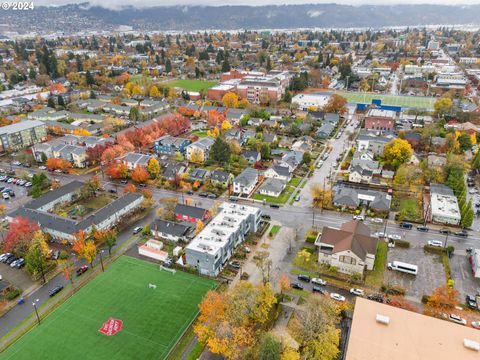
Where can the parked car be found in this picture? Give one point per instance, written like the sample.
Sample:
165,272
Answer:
394,237
318,289
457,319
5,196
462,233
318,281
137,229
379,234
358,217
471,302
16,163
296,285
189,192
5,256
82,269
42,167
275,206
142,185
11,259
55,290
58,171
203,194
422,228
357,292
436,243
266,217
55,254
476,324
19,264
376,220
235,264
233,199
305,278
444,231
123,182
405,225
297,198
376,297
337,297
212,196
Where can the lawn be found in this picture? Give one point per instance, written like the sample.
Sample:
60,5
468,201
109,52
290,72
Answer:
396,100
153,319
200,133
140,79
409,209
375,277
295,181
274,231
282,199
192,85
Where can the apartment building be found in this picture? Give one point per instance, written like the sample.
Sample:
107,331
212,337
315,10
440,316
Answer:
21,135
211,249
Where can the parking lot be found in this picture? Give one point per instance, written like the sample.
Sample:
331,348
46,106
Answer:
431,273
465,283
17,277
17,194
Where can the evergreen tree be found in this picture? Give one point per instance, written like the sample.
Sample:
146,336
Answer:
60,101
225,66
220,151
89,78
168,66
51,102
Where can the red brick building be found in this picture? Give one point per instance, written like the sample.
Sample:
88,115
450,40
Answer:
377,119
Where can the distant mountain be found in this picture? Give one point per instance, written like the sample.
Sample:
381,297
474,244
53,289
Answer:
84,17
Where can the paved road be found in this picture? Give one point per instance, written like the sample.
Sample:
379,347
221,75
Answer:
330,165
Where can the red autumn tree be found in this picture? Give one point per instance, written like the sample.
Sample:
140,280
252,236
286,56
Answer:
402,303
94,154
19,235
118,171
140,174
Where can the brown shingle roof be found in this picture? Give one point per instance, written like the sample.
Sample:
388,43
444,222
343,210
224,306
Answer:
354,236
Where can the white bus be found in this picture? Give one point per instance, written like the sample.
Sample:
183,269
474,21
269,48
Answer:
403,267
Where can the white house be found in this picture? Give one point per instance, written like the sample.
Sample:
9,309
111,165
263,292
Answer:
272,187
244,183
350,249
278,172
153,249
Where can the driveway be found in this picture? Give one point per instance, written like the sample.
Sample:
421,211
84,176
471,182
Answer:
461,271
17,277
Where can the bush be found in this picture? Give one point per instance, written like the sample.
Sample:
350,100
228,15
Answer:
244,276
402,243
394,290
425,299
434,249
12,294
63,255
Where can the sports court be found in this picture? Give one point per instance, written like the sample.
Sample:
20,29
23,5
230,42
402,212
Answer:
395,100
151,319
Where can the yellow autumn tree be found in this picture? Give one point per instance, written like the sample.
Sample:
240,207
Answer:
197,156
229,322
226,125
136,90
230,100
154,92
213,132
397,152
199,227
153,167
81,132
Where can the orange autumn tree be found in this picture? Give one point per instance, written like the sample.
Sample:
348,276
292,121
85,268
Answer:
129,188
442,300
86,249
140,174
58,164
230,322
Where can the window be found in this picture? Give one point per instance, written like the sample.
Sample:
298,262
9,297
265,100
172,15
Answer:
347,260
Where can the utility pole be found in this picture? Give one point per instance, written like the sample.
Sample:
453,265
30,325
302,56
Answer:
36,310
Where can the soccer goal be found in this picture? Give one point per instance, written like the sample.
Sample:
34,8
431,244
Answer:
173,271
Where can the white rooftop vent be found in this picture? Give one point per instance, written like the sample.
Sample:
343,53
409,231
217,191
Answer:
382,319
471,344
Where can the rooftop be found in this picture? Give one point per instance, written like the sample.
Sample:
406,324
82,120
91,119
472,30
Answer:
407,336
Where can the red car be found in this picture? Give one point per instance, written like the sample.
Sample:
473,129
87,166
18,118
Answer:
81,270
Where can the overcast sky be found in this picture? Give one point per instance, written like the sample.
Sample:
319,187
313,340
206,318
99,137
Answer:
143,3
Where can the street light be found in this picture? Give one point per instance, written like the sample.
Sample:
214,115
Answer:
101,260
34,304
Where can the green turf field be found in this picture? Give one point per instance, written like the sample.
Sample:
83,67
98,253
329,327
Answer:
396,100
192,85
153,319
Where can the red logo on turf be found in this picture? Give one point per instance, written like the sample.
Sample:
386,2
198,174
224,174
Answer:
111,327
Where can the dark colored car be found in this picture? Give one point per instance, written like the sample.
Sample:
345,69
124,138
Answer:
305,278
444,231
55,290
82,269
296,286
462,233
275,206
113,191
212,196
318,289
471,302
266,217
142,185
11,259
376,297
189,192
124,181
203,194
405,225
422,228
235,265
